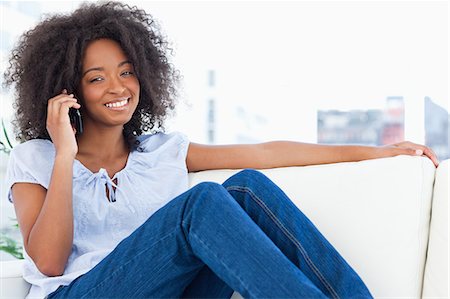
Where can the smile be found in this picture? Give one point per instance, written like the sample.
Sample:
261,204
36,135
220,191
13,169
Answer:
118,105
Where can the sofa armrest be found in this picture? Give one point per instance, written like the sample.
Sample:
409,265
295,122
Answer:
436,280
12,285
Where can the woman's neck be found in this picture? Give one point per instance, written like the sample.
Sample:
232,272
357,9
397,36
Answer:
108,144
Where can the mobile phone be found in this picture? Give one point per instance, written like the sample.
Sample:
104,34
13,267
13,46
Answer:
75,120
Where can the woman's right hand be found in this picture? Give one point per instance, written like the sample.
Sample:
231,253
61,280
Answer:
58,123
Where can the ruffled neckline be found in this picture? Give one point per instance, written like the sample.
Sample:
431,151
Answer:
83,168
134,161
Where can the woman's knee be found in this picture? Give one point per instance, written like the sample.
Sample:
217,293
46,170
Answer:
206,197
207,191
207,187
246,177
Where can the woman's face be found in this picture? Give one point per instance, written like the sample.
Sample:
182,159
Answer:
109,87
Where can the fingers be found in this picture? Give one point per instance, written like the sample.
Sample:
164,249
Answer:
58,123
418,149
409,151
66,105
58,106
430,154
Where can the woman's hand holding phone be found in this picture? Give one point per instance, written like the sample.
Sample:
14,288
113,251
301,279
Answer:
58,123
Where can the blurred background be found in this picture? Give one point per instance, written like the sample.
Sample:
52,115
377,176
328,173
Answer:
335,72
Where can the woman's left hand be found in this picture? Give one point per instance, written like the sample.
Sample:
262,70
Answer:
409,148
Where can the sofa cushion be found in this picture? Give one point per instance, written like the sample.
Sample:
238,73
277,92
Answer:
12,283
436,280
375,212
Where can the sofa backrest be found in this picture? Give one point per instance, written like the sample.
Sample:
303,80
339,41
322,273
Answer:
376,213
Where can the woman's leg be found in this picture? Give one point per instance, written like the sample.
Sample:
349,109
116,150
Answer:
292,232
207,285
295,235
204,225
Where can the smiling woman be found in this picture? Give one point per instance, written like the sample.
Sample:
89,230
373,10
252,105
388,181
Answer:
109,212
108,76
159,78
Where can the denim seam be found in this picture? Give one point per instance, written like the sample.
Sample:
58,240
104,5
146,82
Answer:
106,279
288,234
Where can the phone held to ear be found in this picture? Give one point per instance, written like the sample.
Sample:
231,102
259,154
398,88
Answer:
75,120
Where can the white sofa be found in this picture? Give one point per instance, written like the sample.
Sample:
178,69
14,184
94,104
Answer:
387,217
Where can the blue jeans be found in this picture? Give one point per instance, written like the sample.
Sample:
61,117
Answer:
245,235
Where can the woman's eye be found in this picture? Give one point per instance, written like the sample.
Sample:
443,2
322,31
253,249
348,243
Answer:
95,79
127,73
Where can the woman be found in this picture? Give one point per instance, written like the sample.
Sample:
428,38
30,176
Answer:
104,210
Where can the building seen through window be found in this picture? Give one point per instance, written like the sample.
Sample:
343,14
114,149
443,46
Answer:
384,126
368,127
437,129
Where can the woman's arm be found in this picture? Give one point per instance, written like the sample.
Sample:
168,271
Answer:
46,216
288,153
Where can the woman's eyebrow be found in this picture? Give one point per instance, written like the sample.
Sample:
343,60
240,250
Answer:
124,62
101,68
92,69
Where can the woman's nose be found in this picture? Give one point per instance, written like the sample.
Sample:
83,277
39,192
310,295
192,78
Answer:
115,85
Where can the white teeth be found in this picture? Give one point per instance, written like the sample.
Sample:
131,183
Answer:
117,104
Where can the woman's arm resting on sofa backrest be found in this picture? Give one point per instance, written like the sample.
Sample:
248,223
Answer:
288,153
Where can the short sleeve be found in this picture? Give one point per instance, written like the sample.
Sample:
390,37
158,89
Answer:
164,148
29,162
183,144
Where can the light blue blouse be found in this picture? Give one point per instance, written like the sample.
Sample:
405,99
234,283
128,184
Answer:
155,173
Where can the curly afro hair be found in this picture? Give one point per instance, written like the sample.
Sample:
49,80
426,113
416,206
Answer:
49,57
